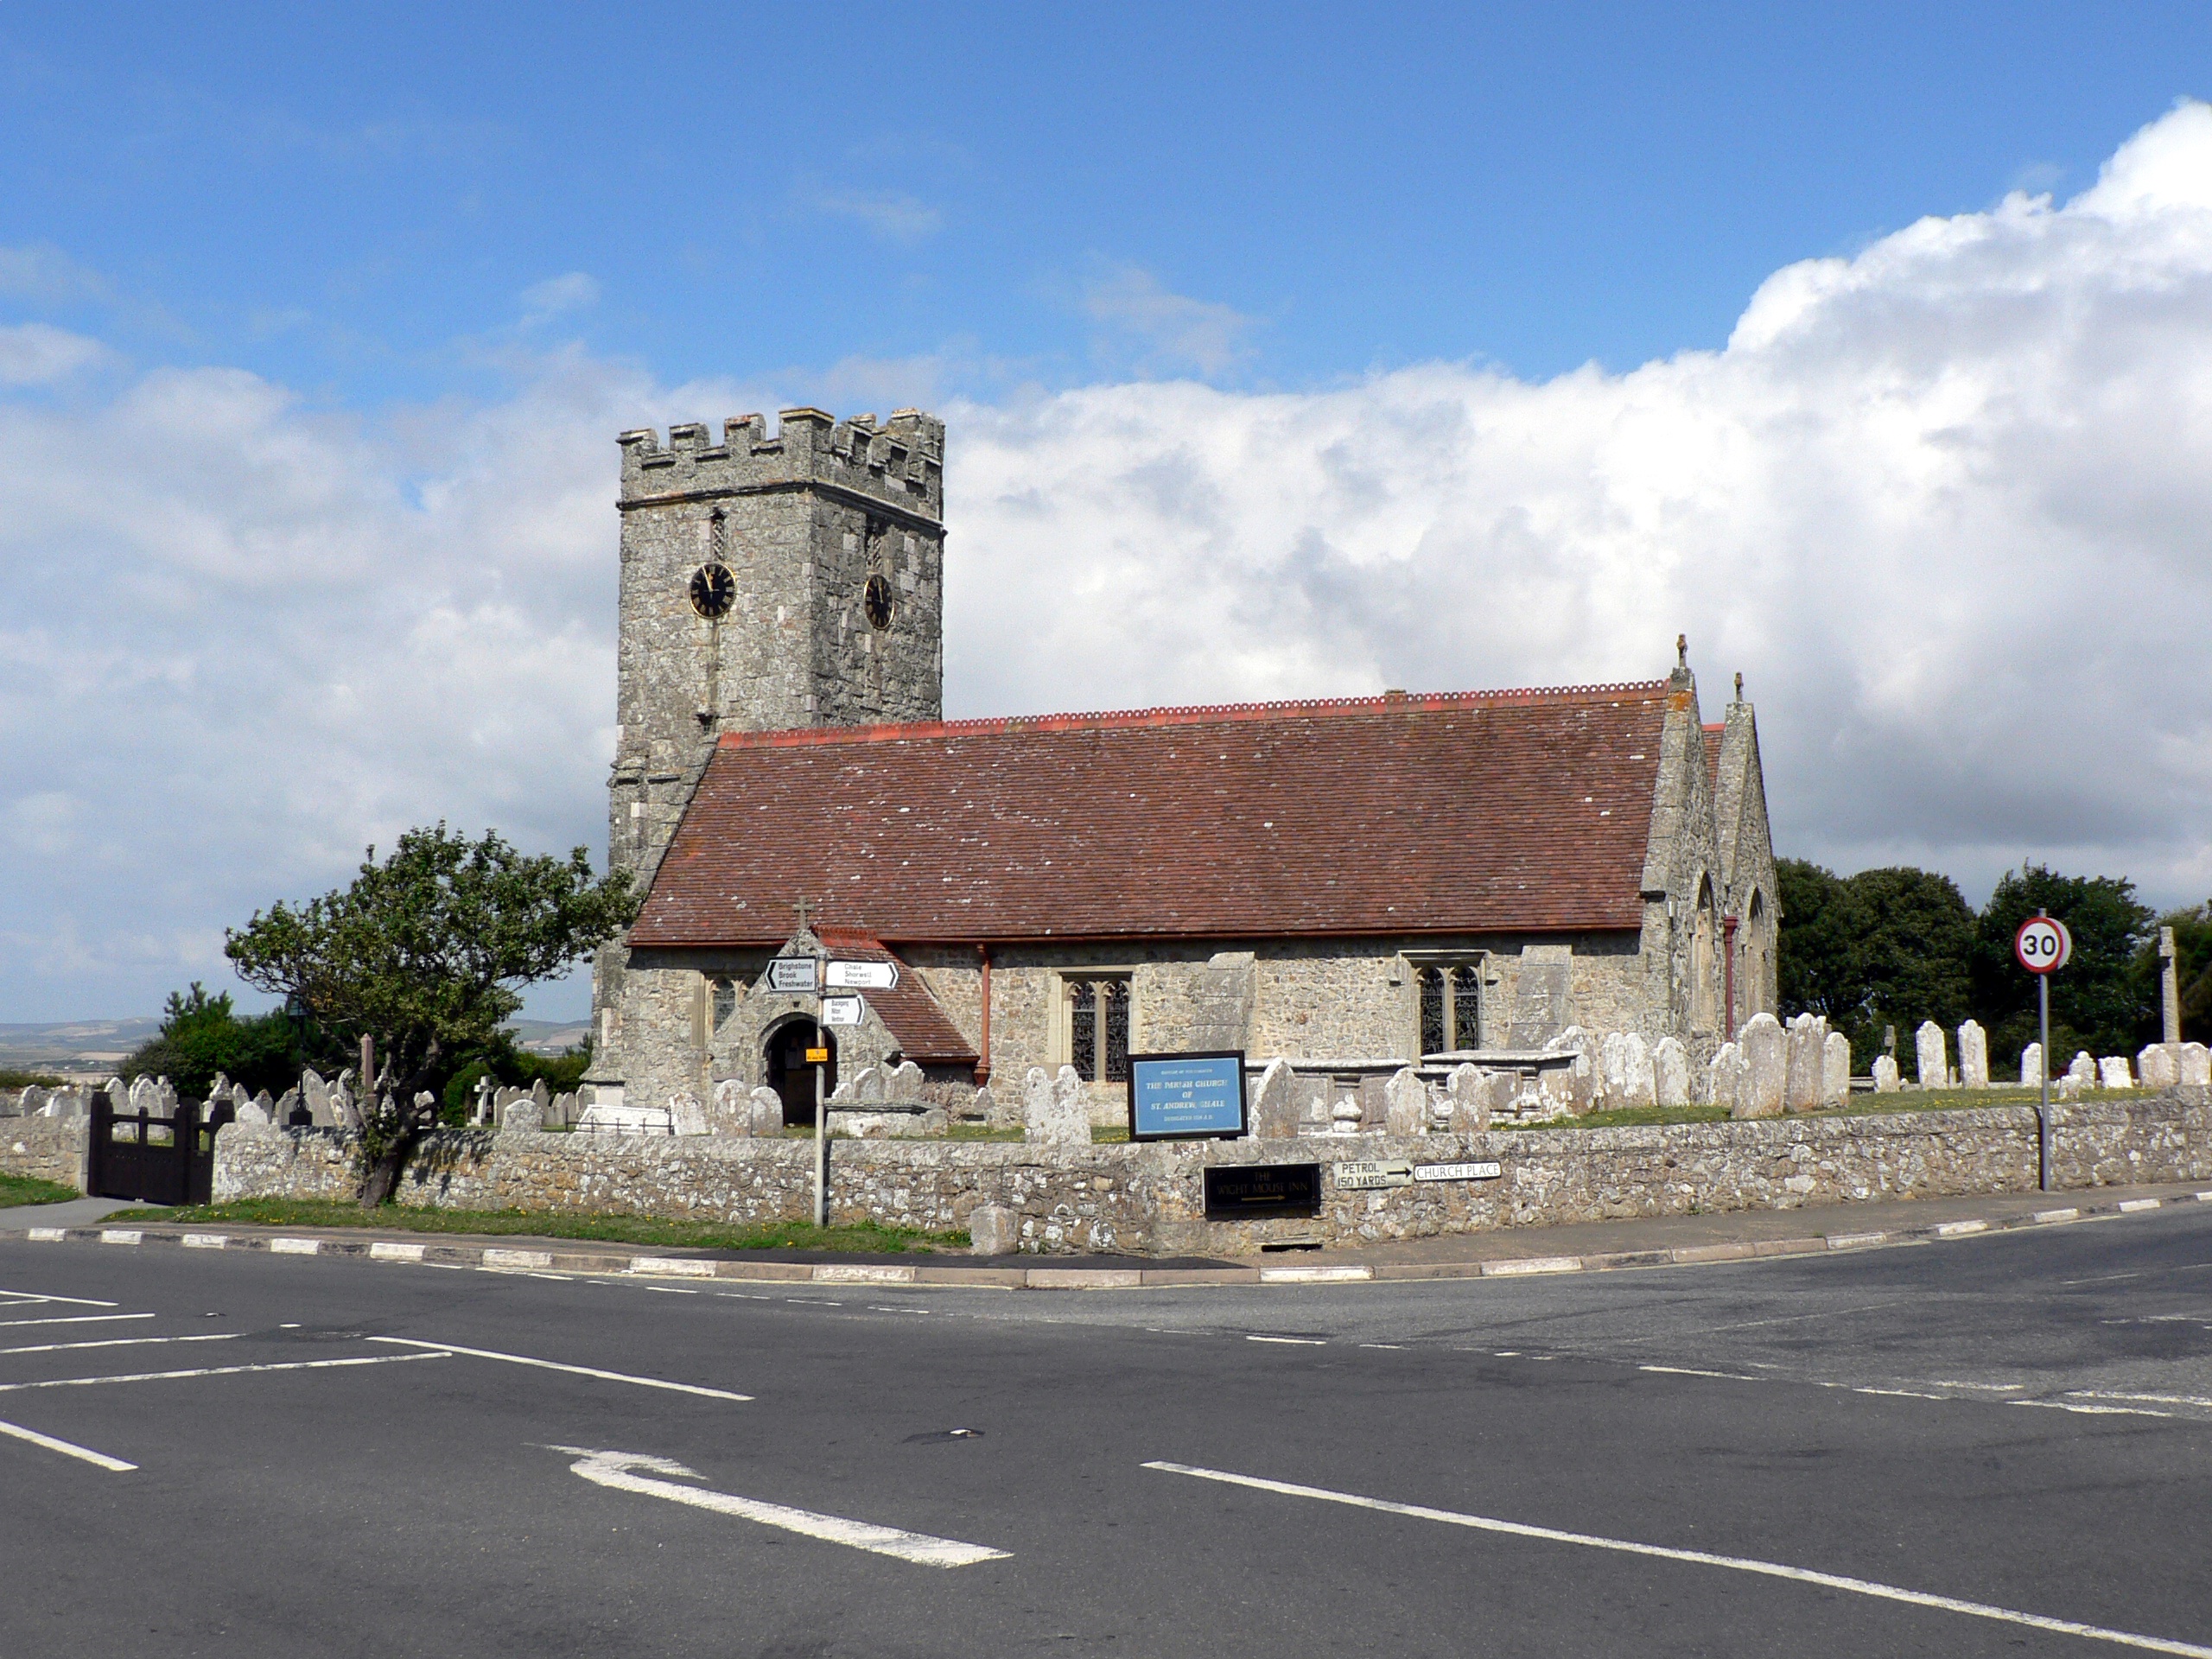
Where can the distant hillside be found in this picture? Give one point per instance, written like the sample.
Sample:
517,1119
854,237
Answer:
79,1046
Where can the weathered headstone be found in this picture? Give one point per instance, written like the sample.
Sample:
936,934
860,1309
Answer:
2195,1062
2031,1066
1671,1072
1640,1085
766,1106
1806,1058
1766,1060
1576,1085
2159,1066
36,1101
1727,1077
904,1083
1930,1052
1835,1071
1470,1095
257,1115
1885,1074
994,1230
2113,1072
684,1112
523,1116
1275,1113
2082,1073
1053,1113
1405,1102
1974,1056
1309,1096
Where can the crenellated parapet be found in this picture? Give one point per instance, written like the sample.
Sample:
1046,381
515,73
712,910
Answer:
899,463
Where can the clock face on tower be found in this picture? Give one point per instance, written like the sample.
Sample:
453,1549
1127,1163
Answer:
877,601
713,590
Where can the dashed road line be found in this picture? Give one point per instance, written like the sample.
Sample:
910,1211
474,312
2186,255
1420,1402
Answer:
219,1370
75,1319
117,1342
2147,1399
1701,1558
1294,1342
2090,1411
29,1296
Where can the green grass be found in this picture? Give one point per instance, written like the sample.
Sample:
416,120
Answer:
612,1230
28,1079
26,1188
1859,1105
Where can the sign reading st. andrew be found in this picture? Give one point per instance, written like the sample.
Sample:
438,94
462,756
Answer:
1175,1095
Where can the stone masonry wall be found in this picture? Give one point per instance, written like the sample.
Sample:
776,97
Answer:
45,1148
1147,1199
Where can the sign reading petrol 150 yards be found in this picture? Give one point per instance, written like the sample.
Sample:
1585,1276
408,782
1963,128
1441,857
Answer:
1186,1097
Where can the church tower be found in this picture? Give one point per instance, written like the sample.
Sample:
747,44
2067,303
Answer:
767,582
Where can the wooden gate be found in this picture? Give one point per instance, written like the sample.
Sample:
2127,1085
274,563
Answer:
158,1160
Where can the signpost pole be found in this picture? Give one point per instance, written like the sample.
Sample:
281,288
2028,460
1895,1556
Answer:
820,1129
2042,1108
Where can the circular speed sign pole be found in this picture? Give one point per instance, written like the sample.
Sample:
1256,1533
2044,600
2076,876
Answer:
2044,946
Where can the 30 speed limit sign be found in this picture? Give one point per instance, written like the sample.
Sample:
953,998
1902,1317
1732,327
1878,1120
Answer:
2042,944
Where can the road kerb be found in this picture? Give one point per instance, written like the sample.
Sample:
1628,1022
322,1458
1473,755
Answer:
862,1273
1514,1267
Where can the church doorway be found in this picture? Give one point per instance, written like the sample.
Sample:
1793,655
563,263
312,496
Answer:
789,1075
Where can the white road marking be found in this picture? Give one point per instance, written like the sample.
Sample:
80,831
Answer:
1684,1370
614,1469
40,1296
1294,1342
925,1311
671,1290
557,1278
115,1465
1993,1387
2101,1279
574,1370
816,1301
2148,1399
221,1371
79,1319
1702,1558
2090,1411
1382,1345
1753,1325
117,1342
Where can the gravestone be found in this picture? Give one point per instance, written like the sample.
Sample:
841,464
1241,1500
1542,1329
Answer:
1727,1077
2082,1073
523,1116
2194,1062
1806,1060
1469,1092
1574,1086
1053,1113
905,1084
1885,1074
684,1113
1974,1056
1309,1096
2157,1066
1405,1103
1275,1112
1835,1071
2031,1066
260,1118
1930,1054
765,1108
1766,1060
2113,1072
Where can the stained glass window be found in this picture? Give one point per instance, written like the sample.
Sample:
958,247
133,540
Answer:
1432,1010
1098,1028
1466,1008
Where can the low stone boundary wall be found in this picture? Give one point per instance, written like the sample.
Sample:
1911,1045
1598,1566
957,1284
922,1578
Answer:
1149,1199
45,1148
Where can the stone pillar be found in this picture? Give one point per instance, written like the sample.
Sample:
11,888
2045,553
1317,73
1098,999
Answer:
1934,1062
2169,985
1835,1071
1974,1056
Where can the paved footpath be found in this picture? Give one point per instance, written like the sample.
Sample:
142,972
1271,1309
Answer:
2001,1444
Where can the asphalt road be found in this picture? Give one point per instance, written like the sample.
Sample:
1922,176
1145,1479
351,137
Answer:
1762,1458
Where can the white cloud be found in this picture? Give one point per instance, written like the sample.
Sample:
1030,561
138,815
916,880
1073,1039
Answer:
1944,504
35,354
891,215
556,296
1168,332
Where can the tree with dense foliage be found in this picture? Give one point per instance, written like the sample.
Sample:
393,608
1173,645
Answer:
1882,947
425,953
201,1036
2099,1001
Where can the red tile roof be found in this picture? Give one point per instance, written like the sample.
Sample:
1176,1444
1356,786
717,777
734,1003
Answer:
1712,734
1500,811
925,1031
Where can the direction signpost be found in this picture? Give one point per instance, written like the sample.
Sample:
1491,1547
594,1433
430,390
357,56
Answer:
2044,946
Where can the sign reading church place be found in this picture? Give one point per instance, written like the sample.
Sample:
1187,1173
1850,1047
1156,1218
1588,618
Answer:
1179,1096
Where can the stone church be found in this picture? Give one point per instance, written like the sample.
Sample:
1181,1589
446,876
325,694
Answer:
1347,880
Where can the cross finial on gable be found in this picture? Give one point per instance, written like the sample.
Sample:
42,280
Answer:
801,908
1681,651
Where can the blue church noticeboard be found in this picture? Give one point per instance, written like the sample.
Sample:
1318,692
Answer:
1175,1097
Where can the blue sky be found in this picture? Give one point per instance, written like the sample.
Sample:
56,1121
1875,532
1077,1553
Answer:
351,201
1285,351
